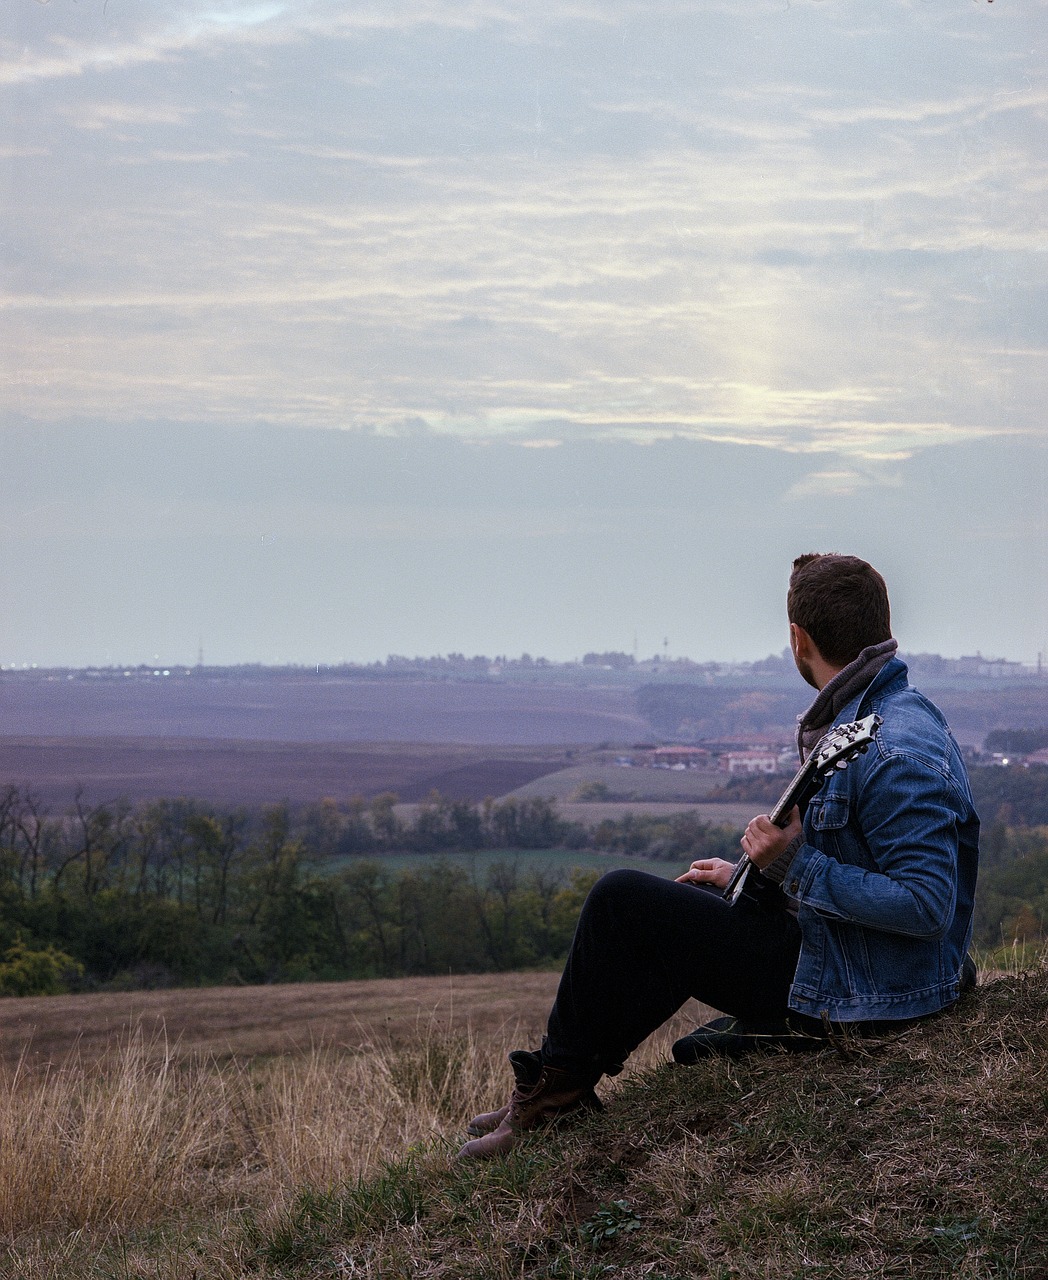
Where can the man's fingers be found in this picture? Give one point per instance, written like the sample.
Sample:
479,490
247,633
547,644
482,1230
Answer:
707,871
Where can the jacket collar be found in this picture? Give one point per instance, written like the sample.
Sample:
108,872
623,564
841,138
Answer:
893,672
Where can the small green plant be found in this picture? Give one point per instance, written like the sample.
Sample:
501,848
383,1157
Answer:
609,1222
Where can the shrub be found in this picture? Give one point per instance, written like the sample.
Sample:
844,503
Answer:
28,972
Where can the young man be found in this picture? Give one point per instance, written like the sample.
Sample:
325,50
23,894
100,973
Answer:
861,911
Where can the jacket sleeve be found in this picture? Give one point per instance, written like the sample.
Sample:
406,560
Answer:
887,851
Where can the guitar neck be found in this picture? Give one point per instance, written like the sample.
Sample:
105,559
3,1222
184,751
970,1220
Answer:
833,751
804,782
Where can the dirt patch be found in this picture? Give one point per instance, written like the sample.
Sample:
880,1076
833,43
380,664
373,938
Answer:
482,778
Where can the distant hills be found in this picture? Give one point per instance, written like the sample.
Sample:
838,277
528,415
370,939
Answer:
520,702
612,668
250,733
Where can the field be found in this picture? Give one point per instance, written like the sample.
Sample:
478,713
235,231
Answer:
254,1023
657,792
661,785
262,740
254,741
252,772
295,1133
319,709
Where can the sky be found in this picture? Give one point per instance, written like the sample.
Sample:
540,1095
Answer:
331,330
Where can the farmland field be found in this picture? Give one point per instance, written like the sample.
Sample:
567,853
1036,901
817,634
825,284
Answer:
279,1020
255,773
252,739
652,792
666,785
261,772
319,709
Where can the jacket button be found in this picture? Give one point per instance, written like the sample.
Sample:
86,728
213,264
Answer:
794,886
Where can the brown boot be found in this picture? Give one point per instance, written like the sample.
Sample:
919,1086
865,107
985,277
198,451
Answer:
536,1100
486,1121
526,1065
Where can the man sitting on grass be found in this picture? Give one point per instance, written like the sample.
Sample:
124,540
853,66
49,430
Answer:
860,913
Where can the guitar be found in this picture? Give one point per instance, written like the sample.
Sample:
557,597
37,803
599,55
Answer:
836,749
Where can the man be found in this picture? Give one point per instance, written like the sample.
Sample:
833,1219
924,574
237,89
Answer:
861,911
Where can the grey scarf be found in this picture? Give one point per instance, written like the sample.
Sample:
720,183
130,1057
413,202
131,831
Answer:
845,685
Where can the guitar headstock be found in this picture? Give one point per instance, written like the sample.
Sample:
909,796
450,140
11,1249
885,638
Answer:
837,748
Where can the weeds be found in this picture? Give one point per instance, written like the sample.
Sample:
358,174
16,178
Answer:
609,1223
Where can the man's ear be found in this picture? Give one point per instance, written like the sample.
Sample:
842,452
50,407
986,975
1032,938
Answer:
801,643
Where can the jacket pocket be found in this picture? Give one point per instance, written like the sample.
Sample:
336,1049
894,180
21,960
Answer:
828,813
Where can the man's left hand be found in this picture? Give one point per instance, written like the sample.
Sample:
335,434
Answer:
763,841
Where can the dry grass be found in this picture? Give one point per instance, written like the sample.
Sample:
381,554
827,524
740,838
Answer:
921,1158
143,1135
80,1147
100,1151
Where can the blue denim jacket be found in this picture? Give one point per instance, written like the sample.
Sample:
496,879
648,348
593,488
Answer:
885,878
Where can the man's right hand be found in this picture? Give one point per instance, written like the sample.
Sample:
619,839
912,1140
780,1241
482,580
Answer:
713,871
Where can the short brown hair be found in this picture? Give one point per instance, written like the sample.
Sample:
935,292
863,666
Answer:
842,603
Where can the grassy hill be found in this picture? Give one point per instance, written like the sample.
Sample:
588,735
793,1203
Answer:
921,1157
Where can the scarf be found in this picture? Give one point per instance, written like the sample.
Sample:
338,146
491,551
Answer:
845,685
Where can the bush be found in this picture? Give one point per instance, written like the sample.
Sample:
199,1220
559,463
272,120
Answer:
28,972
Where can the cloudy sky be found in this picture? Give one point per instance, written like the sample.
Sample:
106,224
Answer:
335,329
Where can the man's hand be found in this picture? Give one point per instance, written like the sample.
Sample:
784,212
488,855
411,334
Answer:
763,841
708,871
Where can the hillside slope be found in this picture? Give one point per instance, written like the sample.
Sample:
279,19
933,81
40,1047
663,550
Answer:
922,1157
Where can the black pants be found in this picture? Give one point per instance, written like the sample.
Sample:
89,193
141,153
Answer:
642,946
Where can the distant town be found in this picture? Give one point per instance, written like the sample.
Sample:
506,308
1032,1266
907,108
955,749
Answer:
612,667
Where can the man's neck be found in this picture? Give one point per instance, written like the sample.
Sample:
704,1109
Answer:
822,673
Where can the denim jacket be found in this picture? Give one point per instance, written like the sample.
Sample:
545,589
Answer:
885,878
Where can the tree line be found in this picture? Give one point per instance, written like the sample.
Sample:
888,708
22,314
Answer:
178,892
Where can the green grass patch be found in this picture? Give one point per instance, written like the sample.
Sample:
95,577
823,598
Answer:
480,862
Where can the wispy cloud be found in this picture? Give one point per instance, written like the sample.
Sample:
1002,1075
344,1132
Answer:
104,115
47,52
532,224
838,483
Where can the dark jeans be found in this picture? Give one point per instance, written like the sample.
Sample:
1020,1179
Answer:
642,946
